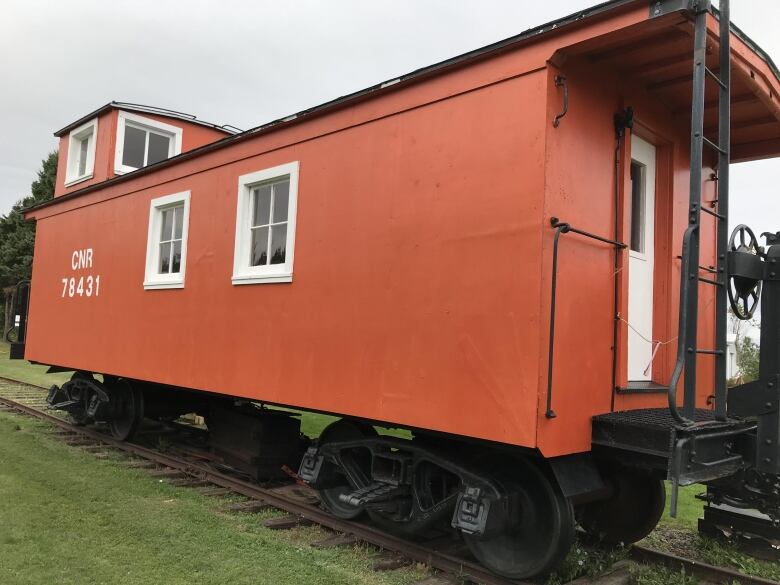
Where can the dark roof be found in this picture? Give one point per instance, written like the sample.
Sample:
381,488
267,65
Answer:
227,128
416,75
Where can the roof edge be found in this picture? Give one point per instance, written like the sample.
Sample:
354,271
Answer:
114,105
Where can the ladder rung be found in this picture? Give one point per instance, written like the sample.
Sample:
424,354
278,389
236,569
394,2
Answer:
710,351
717,79
710,281
711,144
713,213
708,269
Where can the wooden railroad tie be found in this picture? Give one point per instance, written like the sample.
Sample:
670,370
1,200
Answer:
287,522
437,580
389,561
141,464
215,491
249,506
335,540
95,447
166,473
81,442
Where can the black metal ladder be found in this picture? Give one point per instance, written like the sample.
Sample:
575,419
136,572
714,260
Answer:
691,271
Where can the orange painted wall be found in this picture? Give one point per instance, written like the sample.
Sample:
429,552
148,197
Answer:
410,302
580,184
193,136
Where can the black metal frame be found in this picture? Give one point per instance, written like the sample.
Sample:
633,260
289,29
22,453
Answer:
560,81
21,304
687,350
562,228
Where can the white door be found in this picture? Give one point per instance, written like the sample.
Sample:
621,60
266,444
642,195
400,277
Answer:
640,262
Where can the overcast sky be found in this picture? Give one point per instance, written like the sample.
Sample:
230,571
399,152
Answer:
245,63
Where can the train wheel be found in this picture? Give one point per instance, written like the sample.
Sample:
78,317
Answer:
434,493
78,413
630,513
337,432
539,536
128,411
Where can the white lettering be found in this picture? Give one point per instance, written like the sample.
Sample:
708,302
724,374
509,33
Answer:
81,259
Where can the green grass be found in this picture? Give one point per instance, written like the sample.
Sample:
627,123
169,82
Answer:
68,518
680,536
27,372
689,509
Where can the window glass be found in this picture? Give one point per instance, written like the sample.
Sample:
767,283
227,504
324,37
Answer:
178,222
159,146
281,201
259,255
270,204
83,150
278,243
176,261
134,146
171,227
262,205
167,224
165,258
637,207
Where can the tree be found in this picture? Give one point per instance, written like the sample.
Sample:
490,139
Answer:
747,359
17,236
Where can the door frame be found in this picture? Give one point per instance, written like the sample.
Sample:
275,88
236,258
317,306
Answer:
665,261
641,263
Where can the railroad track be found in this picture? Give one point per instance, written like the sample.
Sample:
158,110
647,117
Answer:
193,470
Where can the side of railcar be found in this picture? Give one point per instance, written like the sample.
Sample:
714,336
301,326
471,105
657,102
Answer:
402,292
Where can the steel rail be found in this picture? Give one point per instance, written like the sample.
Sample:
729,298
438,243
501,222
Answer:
447,563
702,570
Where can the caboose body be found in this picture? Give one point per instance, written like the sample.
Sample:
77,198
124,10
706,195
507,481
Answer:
485,251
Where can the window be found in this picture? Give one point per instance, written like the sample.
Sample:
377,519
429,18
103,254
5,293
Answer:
166,248
81,153
265,225
143,141
637,207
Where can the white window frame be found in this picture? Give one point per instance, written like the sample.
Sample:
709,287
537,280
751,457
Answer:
152,278
147,124
74,142
243,273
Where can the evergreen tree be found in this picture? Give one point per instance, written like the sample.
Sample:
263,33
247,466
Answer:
17,236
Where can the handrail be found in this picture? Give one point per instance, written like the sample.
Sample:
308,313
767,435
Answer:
562,228
680,363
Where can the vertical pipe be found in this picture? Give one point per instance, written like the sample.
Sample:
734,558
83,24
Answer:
559,228
690,277
724,160
616,276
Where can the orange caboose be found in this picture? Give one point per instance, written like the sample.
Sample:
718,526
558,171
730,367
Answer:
485,251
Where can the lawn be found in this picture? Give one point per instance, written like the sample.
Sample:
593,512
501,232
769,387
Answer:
27,372
69,518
